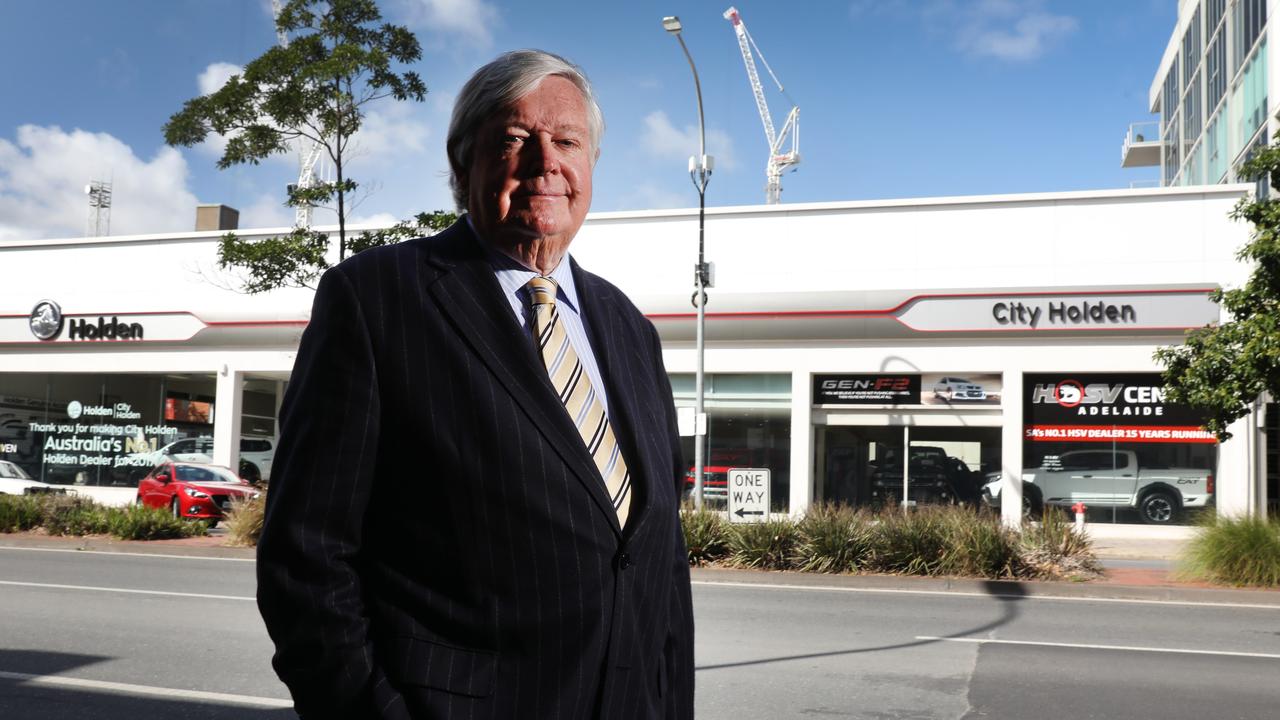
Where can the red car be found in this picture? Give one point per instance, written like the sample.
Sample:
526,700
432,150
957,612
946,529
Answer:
193,490
715,482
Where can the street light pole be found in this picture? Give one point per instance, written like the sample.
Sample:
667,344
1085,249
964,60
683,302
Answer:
700,167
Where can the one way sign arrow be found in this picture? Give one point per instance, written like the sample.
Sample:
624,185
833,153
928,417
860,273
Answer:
748,495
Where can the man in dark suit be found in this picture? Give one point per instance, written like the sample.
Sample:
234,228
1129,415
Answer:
473,511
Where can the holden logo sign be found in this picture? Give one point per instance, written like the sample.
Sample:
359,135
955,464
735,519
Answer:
74,409
46,320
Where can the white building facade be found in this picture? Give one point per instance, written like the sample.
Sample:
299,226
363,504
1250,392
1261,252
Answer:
998,333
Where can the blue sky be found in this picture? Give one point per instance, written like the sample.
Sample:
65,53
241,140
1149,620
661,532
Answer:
898,98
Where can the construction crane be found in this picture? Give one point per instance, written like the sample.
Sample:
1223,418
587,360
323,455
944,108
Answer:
309,151
779,161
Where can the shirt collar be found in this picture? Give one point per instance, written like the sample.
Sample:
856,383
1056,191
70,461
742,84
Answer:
513,276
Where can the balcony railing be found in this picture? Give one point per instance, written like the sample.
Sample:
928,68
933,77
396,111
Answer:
1141,145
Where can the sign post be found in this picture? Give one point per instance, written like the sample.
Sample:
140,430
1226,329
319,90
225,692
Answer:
748,495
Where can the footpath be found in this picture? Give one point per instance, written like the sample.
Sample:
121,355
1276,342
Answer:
1134,569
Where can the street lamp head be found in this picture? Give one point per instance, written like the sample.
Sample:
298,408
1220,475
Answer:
671,24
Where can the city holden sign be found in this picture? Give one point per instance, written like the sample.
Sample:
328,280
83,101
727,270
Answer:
49,323
1072,311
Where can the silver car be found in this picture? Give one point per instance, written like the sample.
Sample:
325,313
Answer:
957,388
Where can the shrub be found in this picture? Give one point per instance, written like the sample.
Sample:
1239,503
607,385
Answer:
244,520
704,534
978,545
73,515
1237,551
909,543
1053,549
19,513
765,546
832,539
138,522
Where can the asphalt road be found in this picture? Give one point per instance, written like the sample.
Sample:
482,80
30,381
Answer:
108,636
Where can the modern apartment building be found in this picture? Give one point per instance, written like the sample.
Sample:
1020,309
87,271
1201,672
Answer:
1215,92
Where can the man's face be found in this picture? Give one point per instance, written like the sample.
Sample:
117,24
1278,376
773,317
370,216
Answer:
530,173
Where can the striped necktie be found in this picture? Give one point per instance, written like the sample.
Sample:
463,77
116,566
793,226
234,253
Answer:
571,383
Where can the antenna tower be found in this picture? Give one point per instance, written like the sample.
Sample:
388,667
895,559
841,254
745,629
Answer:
99,193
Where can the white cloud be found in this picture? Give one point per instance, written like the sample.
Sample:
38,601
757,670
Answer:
216,75
664,140
1015,30
210,81
267,211
390,131
383,219
472,19
651,196
44,171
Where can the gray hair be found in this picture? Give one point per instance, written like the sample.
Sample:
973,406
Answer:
498,85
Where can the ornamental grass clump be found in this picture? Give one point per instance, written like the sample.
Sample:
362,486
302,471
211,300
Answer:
19,513
1236,551
705,534
832,538
1053,549
73,515
138,522
978,546
244,520
764,546
909,543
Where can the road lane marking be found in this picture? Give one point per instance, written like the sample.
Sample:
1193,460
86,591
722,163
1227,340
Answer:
127,554
1004,597
131,591
1087,646
175,694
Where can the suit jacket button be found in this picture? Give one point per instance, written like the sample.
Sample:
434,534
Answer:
624,561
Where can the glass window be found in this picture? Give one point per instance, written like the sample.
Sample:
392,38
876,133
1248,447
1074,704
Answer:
93,429
1247,19
1112,442
748,426
1191,45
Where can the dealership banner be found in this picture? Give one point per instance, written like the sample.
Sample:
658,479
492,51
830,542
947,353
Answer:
1106,407
867,389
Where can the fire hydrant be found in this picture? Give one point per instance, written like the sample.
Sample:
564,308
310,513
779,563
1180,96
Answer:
1079,509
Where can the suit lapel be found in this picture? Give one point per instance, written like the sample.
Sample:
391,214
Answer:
469,296
613,351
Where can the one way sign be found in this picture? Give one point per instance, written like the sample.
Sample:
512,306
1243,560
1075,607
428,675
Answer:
748,495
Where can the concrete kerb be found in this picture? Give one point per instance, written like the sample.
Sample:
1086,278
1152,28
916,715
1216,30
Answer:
1121,584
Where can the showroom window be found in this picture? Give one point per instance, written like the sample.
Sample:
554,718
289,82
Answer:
748,426
1112,442
859,461
108,430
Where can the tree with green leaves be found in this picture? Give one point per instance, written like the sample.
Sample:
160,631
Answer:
315,89
1223,369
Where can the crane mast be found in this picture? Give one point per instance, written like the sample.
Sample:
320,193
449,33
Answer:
779,161
308,150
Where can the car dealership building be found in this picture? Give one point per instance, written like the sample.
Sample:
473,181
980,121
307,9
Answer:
999,331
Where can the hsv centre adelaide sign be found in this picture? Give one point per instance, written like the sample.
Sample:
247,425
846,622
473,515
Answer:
1106,407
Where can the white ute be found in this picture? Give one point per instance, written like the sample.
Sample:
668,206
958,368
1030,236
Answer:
1110,478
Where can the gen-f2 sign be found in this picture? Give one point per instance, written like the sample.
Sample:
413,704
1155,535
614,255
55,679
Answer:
748,495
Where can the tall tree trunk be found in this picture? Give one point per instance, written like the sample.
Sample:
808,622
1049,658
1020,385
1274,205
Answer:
337,166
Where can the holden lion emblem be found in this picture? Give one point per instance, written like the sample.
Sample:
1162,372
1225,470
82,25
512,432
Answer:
46,320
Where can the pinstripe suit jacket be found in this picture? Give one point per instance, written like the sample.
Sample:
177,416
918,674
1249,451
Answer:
438,543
